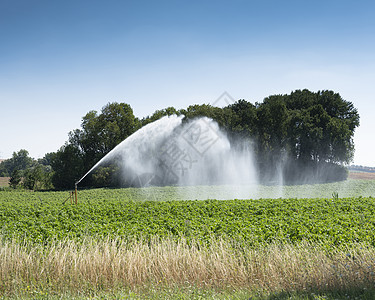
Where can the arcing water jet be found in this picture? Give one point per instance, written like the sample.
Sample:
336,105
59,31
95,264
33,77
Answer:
150,133
172,152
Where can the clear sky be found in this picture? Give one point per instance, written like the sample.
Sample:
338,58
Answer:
61,59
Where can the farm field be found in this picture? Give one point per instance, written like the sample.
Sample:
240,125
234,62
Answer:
40,218
143,244
4,181
361,175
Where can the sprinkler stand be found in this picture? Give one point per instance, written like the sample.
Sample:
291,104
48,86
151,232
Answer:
75,194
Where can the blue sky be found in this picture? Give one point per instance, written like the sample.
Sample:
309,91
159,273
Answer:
61,59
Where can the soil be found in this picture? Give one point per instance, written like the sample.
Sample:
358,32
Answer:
361,175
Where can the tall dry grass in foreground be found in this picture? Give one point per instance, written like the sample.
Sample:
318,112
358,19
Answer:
68,266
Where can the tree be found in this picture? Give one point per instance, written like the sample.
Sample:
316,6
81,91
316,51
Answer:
244,118
4,168
322,126
293,133
20,161
272,123
272,117
25,172
46,160
344,120
34,177
158,114
321,133
305,131
107,175
16,179
67,164
100,133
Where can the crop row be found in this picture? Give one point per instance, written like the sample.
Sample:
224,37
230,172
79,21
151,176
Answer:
40,218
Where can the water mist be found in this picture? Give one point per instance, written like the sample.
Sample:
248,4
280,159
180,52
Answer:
193,155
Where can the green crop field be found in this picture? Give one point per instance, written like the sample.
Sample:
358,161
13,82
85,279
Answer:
42,217
292,230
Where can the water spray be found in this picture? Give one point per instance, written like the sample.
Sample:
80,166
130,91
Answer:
194,153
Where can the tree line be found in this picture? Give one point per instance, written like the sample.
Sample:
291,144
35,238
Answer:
26,172
304,136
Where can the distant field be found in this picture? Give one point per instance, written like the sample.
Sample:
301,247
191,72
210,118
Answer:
4,181
361,175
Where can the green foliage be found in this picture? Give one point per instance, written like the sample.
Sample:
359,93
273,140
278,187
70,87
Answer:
158,114
304,131
42,217
322,126
28,173
47,159
291,135
243,118
100,133
38,177
32,177
106,176
20,161
67,164
16,179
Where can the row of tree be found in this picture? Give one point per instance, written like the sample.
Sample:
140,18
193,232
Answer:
307,135
26,172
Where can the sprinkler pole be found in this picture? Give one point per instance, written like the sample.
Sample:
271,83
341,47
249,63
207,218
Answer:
75,193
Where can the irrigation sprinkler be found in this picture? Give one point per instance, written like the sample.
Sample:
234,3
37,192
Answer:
75,192
73,196
76,183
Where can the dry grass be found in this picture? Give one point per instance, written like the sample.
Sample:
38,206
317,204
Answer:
4,181
109,265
